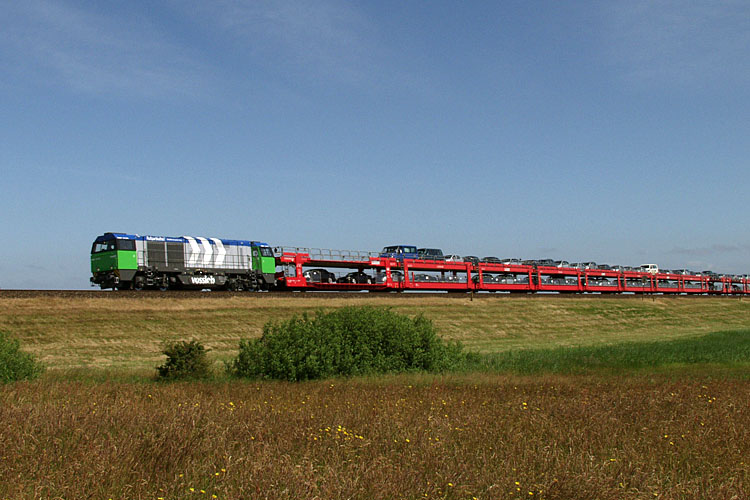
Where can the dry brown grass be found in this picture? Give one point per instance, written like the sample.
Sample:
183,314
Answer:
483,437
108,332
459,436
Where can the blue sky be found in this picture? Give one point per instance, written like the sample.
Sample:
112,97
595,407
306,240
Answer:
610,131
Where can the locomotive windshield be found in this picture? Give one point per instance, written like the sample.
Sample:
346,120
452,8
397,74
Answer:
103,246
266,252
109,245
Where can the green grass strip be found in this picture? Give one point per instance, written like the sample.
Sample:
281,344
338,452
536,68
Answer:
726,348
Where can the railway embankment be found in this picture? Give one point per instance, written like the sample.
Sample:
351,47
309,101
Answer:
125,331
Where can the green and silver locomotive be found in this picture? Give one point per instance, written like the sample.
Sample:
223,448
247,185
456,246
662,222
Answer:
130,261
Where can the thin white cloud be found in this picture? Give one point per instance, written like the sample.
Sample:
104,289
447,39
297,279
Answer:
676,43
58,44
327,39
94,50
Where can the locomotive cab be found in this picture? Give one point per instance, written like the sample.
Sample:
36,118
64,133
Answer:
113,260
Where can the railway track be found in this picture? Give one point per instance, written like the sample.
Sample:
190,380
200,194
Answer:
198,294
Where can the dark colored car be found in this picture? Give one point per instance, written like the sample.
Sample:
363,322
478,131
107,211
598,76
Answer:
492,260
396,276
495,278
471,258
486,278
425,277
430,254
546,263
455,278
319,276
507,279
356,277
686,272
563,280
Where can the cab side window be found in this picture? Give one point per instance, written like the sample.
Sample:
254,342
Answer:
125,245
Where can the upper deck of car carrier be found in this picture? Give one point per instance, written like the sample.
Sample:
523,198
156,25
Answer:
393,274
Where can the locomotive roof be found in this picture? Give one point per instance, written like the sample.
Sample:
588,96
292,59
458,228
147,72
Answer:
181,239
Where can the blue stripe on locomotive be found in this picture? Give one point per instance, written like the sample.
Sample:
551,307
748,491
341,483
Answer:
123,236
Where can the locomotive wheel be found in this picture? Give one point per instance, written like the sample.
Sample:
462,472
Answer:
138,283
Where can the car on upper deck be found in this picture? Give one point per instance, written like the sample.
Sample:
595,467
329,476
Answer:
399,252
472,259
430,254
649,268
546,263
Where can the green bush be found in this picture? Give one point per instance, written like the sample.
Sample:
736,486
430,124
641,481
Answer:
16,364
345,342
185,359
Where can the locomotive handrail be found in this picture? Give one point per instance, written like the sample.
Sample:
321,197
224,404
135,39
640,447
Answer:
327,253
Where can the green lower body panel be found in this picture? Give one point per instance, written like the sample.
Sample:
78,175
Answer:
127,259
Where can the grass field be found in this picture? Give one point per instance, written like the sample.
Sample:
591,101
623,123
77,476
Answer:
126,334
576,398
399,437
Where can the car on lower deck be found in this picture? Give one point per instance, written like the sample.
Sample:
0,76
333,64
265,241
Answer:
396,276
319,276
356,277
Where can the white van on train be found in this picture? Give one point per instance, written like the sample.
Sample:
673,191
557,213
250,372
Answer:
650,268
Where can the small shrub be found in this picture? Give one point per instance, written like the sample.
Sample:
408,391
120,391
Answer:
15,364
185,359
345,342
